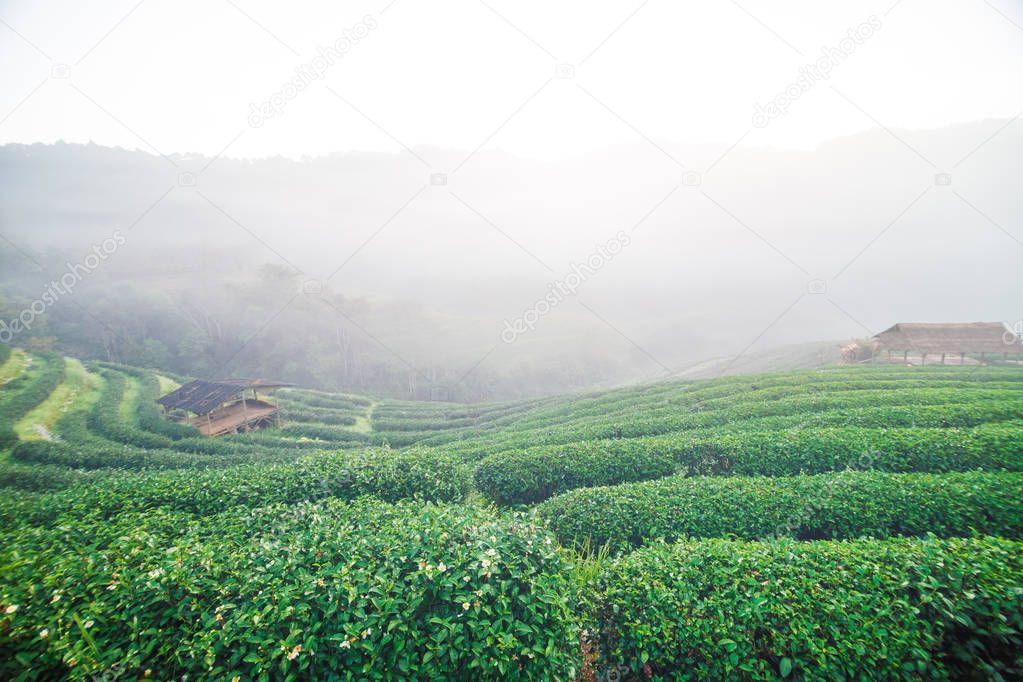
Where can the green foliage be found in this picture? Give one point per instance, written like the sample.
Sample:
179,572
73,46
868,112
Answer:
38,478
383,474
106,417
903,609
827,506
333,590
26,391
781,453
137,545
81,449
323,399
334,434
534,475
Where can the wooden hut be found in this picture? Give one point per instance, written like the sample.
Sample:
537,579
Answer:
948,339
225,406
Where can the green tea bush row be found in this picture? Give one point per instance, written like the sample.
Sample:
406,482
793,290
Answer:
945,416
39,478
826,506
594,417
88,456
421,424
328,400
485,411
851,393
783,453
150,416
106,419
532,475
760,388
384,474
332,590
26,391
318,416
273,440
896,609
333,434
665,399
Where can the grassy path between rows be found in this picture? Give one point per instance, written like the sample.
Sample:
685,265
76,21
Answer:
14,367
79,390
130,401
167,384
364,423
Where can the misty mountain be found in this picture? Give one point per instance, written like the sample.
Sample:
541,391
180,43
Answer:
421,261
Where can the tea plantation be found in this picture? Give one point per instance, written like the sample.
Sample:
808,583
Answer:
846,523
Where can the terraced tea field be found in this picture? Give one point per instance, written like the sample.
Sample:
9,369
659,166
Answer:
841,523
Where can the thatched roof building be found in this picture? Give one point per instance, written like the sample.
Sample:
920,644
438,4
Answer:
223,406
948,338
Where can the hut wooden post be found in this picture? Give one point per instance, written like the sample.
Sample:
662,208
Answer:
905,357
943,358
962,357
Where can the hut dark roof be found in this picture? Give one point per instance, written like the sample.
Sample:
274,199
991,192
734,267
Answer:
957,337
202,397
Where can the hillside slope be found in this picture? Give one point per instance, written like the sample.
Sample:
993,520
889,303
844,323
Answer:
823,523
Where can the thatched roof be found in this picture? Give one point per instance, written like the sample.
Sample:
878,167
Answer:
956,337
202,397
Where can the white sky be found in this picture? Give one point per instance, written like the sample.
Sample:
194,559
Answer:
179,76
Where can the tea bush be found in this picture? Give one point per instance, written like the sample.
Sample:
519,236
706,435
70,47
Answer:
827,506
318,416
384,474
331,590
36,478
897,609
640,425
26,391
327,400
106,419
132,548
534,475
537,473
781,453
